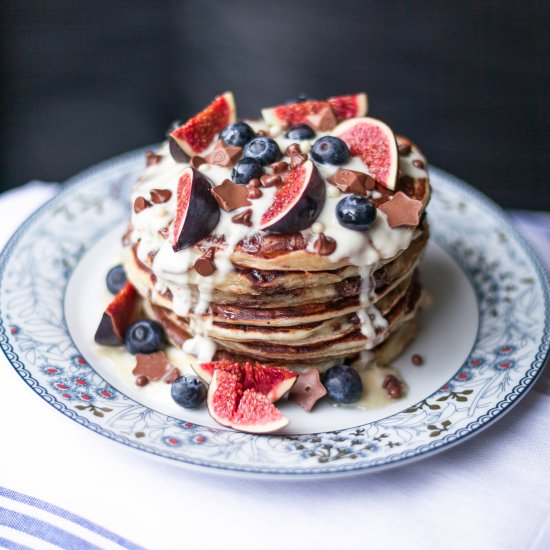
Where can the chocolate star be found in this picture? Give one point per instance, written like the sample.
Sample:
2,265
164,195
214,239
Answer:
231,195
307,390
323,121
152,365
205,264
402,210
351,181
224,155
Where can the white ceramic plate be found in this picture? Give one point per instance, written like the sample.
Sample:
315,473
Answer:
484,340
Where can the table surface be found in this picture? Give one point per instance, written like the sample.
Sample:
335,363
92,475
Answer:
62,486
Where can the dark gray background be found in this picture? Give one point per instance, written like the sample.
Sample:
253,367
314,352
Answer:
468,81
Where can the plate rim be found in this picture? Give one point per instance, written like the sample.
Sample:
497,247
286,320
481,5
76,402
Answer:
498,409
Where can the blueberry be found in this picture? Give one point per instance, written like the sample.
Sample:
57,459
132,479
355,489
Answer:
246,169
237,134
343,384
330,150
356,212
144,336
300,132
299,99
263,149
188,391
116,279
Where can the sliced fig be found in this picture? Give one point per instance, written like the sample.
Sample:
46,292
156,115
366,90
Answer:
374,143
269,380
349,106
118,316
297,203
197,212
243,410
199,133
295,113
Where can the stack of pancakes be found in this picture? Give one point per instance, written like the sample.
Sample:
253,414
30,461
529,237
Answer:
285,305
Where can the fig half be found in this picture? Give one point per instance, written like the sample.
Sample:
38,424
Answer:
374,143
269,380
246,410
297,203
197,212
199,133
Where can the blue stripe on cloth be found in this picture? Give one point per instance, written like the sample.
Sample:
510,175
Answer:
12,545
43,530
65,514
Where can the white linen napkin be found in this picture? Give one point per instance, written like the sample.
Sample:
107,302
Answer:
491,492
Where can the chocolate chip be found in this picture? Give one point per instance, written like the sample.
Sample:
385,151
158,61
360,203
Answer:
269,180
404,149
279,167
205,264
418,163
243,217
254,192
231,195
142,381
393,386
324,246
262,133
196,161
254,182
417,360
141,204
173,375
297,158
152,158
159,196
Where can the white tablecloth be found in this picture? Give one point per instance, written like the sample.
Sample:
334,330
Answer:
491,492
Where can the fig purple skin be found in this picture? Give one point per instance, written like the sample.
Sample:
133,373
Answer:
298,203
197,212
105,334
175,150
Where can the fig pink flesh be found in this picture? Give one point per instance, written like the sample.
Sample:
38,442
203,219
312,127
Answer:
256,413
184,194
224,395
375,148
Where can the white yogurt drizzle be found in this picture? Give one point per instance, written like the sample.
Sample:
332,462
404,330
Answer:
367,250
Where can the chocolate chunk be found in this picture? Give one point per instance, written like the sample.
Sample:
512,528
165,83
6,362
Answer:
323,121
324,246
404,148
279,167
393,386
254,192
417,359
224,155
231,195
351,181
243,217
172,376
268,180
159,196
141,204
307,390
196,161
152,158
297,158
152,365
205,264
142,381
402,210
419,163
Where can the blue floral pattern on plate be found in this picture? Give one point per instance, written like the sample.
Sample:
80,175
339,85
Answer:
509,352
